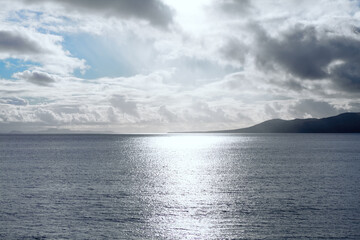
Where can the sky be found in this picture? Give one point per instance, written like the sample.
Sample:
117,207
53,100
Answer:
155,66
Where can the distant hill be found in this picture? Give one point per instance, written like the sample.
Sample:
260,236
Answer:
343,123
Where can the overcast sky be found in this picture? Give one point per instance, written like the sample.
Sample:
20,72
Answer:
130,66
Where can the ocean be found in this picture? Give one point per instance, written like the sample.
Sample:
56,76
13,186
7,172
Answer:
180,186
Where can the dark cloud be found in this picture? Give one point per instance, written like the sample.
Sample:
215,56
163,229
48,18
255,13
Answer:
347,76
316,109
234,50
293,85
307,54
235,7
38,78
124,105
153,11
299,51
15,42
354,106
304,52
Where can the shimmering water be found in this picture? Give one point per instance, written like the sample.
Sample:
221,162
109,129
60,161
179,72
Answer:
270,186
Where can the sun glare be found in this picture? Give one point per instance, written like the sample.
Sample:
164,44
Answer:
187,161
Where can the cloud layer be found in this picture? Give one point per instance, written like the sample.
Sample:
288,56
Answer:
153,11
157,66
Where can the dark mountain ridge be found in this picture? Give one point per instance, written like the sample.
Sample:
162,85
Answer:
343,123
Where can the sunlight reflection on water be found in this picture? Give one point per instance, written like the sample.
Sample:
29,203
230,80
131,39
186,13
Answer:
190,182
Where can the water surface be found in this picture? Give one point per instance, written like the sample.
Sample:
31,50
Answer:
240,186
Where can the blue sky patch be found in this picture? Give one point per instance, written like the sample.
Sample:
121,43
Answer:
99,55
10,66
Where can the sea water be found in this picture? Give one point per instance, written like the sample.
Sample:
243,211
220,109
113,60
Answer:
224,186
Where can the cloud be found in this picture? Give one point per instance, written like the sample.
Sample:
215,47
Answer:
153,11
234,50
354,106
42,50
15,42
305,52
298,51
313,108
167,114
201,111
294,85
271,112
38,78
346,75
14,101
47,116
112,116
124,105
235,7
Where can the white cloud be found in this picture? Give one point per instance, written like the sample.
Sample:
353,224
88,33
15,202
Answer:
44,49
124,105
14,101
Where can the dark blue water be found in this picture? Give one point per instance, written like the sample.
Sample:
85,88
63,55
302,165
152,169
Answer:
271,186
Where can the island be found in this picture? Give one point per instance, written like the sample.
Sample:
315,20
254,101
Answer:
343,123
